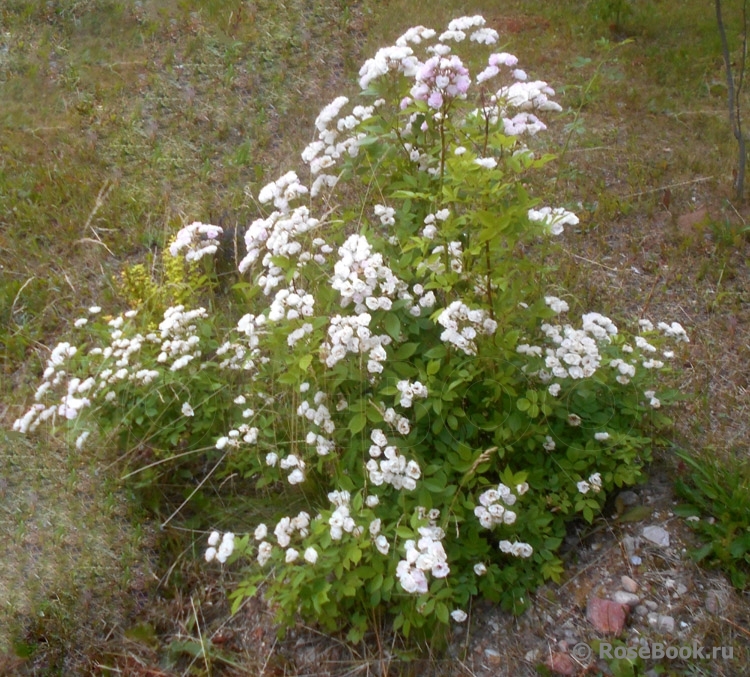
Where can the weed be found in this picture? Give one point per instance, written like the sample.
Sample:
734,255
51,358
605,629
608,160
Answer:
718,496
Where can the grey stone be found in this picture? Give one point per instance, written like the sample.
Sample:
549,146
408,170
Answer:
532,656
627,598
661,623
715,602
628,498
657,535
630,544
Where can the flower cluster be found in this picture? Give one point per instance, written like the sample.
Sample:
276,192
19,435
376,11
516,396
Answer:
394,469
494,504
353,335
282,237
528,95
594,483
436,261
179,340
196,240
553,219
291,304
674,330
457,30
243,354
284,531
53,376
318,414
244,433
399,57
282,191
517,549
323,153
441,79
362,278
461,324
409,391
341,521
426,555
224,549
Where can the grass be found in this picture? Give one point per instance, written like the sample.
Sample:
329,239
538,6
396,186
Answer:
120,120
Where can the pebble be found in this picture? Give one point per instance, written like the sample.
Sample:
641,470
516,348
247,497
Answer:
493,657
532,656
662,623
714,602
628,584
651,604
630,544
641,610
627,498
657,535
562,664
627,598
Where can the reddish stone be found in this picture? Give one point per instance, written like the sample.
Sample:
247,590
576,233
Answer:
562,664
606,616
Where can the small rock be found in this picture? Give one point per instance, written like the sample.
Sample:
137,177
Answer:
630,544
532,656
627,498
681,589
657,535
636,561
562,664
628,584
626,598
651,604
715,602
606,616
641,610
493,657
664,624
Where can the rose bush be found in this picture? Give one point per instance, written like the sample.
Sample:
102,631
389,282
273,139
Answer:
399,370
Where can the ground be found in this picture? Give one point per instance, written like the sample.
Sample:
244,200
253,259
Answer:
121,120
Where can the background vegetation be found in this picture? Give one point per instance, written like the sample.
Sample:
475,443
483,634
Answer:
120,121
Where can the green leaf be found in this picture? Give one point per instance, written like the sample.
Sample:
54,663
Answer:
442,613
436,353
392,325
637,514
305,361
433,367
405,351
357,423
740,546
703,552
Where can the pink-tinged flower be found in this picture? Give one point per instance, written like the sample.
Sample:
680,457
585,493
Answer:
435,100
